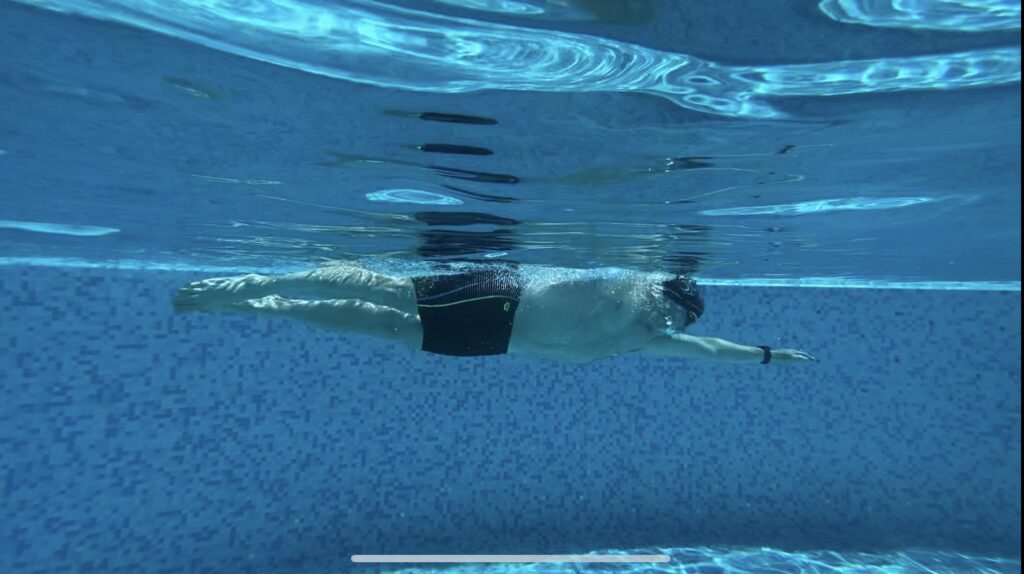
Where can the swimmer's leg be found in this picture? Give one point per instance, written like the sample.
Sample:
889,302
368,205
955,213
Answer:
335,282
346,315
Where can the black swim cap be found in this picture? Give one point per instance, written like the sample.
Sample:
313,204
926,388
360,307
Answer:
682,291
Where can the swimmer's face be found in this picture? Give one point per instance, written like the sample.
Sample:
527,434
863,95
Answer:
678,318
685,303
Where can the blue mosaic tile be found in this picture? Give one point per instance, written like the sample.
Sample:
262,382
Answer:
134,440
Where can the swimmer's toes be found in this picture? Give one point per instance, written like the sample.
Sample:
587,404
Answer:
184,305
270,302
251,285
219,293
188,299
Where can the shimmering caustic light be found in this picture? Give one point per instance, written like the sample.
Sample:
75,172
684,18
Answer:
952,15
390,46
58,228
822,206
412,196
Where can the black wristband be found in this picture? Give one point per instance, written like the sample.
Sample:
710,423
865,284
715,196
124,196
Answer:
767,354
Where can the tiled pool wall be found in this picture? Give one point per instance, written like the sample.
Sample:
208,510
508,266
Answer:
132,439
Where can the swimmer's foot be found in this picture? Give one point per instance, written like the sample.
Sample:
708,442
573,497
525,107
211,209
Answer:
221,293
270,303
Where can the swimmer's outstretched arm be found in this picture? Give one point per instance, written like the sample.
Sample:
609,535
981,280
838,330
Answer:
720,350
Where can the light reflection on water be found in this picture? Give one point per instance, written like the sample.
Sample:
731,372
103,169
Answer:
390,46
886,189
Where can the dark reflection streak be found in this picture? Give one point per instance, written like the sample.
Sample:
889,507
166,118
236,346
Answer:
681,163
686,263
481,196
457,119
461,218
480,176
442,117
454,149
444,243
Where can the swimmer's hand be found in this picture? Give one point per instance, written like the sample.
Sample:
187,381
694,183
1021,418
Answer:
791,356
722,351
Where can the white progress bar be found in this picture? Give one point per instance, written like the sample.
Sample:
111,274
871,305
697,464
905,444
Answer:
507,558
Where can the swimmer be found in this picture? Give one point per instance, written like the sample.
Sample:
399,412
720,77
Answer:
490,310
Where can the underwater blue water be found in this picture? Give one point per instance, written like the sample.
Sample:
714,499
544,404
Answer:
853,141
842,175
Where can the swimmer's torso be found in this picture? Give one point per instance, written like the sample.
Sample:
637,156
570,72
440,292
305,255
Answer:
584,319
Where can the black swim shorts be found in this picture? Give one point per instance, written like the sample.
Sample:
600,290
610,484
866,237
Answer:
468,314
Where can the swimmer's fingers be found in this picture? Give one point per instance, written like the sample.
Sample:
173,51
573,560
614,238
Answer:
791,356
805,356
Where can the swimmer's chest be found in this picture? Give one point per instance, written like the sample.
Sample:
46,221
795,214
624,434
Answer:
585,315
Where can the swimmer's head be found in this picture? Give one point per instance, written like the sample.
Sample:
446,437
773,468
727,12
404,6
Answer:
687,300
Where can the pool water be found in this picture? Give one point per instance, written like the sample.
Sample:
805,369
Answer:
840,176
